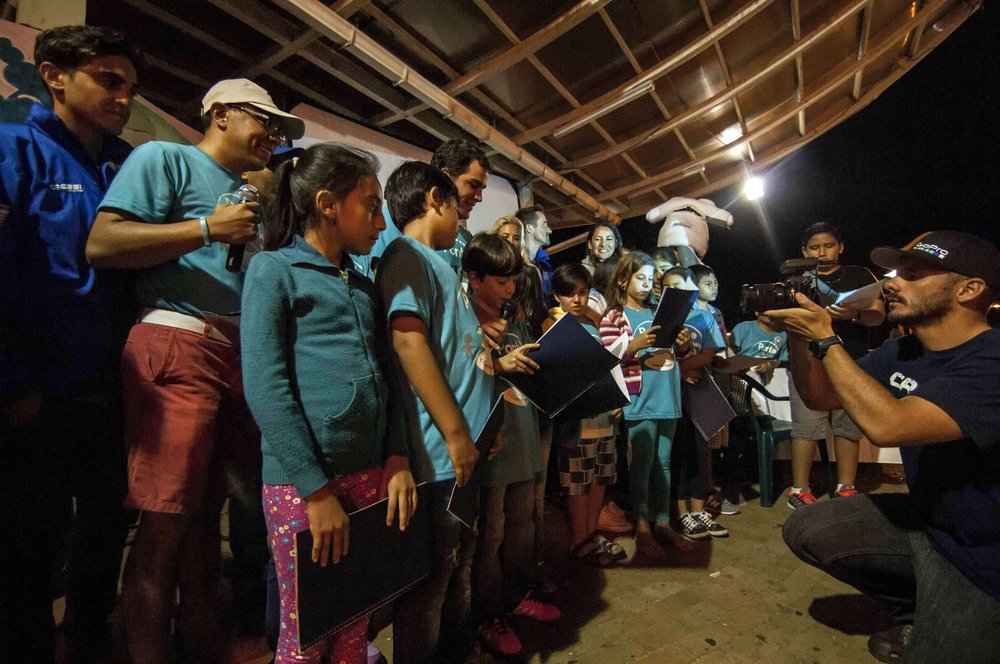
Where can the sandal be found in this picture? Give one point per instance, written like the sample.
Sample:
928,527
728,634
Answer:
614,549
592,553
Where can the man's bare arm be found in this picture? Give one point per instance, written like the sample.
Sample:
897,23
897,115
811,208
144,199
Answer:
409,341
811,380
121,241
885,420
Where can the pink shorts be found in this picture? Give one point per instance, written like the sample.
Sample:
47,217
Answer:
191,438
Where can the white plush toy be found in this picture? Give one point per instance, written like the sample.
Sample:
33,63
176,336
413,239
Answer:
685,228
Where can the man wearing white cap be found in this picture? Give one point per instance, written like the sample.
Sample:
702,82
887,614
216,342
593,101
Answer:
932,554
171,215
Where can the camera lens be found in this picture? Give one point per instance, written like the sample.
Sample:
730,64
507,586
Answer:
763,297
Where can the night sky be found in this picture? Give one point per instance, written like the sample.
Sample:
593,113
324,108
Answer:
923,156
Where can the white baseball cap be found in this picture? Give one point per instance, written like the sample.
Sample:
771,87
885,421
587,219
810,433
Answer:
244,91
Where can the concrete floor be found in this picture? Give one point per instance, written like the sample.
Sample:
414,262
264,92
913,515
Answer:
742,599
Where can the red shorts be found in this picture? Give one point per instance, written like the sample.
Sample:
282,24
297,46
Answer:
191,438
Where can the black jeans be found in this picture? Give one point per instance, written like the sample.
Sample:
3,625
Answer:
876,544
70,450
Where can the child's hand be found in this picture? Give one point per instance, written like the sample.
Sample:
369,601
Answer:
494,330
463,455
616,414
843,312
690,376
683,339
644,340
399,487
495,448
516,361
329,526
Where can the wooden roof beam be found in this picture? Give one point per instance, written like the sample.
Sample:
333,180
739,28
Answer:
727,74
282,32
800,76
865,32
546,73
776,116
516,53
319,17
949,24
683,55
623,45
724,96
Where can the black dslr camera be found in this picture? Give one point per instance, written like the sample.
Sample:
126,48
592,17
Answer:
799,274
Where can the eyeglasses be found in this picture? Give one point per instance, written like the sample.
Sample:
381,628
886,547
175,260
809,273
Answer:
270,124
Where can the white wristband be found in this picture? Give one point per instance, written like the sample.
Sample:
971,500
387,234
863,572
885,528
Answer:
206,236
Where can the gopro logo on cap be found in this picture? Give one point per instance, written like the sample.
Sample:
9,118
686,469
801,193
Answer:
931,249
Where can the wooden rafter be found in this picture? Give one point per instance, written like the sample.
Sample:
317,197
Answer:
683,55
784,111
724,96
523,49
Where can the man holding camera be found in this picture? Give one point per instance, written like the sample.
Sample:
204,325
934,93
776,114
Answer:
933,554
824,242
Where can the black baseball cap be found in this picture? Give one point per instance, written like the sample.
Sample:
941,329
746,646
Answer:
951,251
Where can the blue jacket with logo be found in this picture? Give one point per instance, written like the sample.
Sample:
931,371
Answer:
56,312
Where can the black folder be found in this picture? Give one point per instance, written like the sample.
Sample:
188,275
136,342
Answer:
381,565
464,501
706,406
570,360
674,307
607,394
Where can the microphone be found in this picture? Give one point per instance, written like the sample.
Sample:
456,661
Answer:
247,193
508,310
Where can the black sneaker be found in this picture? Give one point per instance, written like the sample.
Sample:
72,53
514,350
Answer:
692,528
714,529
888,646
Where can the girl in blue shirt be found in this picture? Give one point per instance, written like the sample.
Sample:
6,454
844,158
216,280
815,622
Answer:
692,456
652,415
317,375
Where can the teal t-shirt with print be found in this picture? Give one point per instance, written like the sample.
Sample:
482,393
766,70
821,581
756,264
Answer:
163,183
705,332
660,396
414,279
520,458
749,339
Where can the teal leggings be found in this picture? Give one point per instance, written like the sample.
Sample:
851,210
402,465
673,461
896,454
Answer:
649,472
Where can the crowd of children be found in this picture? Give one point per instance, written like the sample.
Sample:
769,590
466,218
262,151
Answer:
449,335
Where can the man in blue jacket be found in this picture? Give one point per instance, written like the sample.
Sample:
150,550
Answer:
59,401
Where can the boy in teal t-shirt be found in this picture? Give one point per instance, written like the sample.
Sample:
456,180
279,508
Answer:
439,344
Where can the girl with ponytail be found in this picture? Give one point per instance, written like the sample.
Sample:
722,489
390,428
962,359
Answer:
317,375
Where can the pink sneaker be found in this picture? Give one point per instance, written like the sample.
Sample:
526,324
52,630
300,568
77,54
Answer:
499,638
537,610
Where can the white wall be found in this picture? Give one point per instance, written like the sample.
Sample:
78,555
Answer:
499,199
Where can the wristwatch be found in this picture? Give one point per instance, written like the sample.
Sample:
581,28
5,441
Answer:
819,347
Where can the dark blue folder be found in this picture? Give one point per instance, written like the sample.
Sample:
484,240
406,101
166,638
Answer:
381,565
674,307
570,360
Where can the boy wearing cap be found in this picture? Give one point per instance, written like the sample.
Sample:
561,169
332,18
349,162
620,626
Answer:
170,215
933,554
